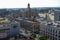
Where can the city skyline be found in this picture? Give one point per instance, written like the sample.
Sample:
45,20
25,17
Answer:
34,3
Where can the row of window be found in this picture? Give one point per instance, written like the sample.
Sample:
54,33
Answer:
4,30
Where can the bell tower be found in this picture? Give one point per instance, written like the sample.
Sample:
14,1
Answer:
28,5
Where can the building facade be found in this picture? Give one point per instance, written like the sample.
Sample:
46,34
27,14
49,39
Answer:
9,29
57,16
51,31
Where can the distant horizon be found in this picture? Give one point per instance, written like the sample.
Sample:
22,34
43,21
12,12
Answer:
31,7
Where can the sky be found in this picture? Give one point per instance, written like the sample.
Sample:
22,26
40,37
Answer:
33,3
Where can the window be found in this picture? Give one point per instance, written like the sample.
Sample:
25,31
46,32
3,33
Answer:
14,26
59,16
7,30
59,39
53,31
55,38
56,31
59,32
55,34
59,35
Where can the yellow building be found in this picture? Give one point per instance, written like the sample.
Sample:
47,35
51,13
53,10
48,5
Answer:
4,20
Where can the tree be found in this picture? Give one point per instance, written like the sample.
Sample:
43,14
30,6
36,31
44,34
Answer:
34,35
43,37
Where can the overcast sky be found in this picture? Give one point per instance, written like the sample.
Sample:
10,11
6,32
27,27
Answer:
34,3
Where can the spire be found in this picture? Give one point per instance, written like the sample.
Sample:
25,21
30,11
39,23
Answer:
28,5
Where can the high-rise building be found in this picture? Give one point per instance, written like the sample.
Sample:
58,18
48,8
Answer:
51,31
57,16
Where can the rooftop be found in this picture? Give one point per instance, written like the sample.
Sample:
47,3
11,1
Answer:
57,10
49,15
4,20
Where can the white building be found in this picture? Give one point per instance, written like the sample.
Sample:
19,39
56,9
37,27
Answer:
50,30
57,16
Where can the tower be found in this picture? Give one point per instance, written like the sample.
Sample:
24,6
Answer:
29,11
28,5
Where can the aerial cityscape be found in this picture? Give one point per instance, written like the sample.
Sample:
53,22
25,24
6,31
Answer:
38,23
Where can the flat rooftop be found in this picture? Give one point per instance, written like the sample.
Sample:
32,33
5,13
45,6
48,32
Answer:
44,15
4,20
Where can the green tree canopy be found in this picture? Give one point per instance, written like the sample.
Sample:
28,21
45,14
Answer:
43,37
34,35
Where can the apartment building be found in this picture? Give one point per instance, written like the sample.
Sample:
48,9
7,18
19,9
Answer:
51,31
9,28
57,16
